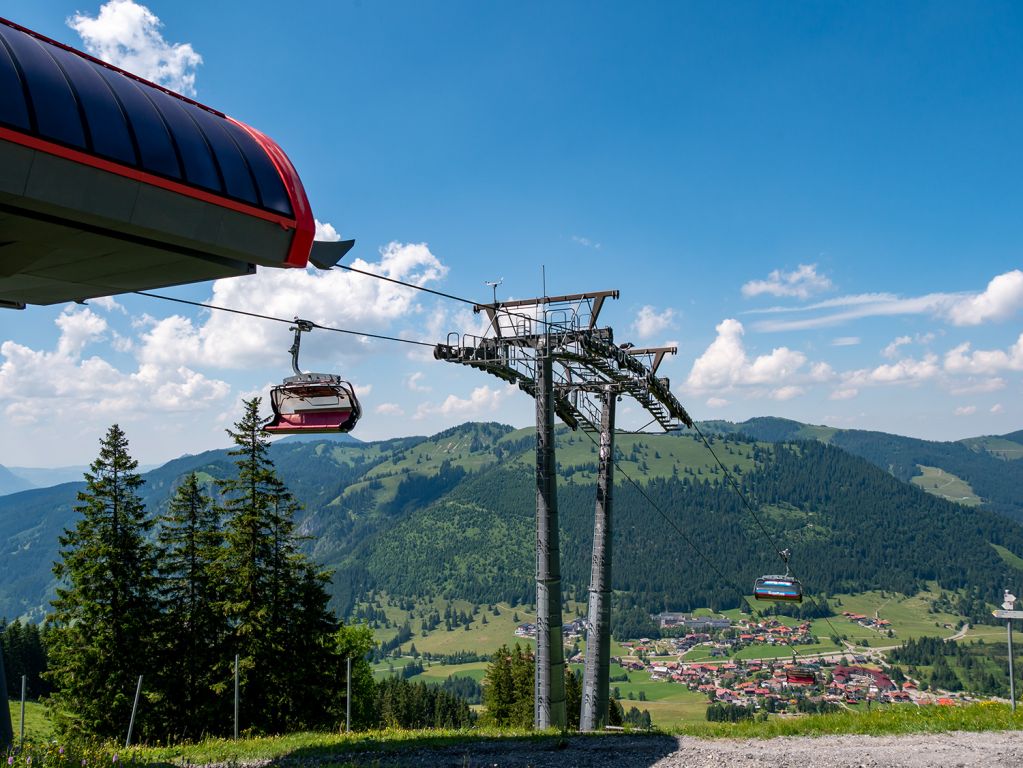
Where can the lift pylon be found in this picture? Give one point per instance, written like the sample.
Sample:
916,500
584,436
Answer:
555,351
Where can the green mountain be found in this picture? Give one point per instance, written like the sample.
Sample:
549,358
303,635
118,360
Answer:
453,514
983,464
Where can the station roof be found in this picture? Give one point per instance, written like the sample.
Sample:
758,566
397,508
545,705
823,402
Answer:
111,183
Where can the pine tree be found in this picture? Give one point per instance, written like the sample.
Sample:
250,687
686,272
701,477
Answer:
276,601
193,636
105,613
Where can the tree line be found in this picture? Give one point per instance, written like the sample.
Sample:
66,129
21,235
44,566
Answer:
178,597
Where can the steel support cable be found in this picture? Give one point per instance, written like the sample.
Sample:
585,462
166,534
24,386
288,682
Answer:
725,580
745,501
284,319
444,295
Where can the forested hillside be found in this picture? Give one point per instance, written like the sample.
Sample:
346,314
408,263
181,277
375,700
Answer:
452,514
851,527
984,463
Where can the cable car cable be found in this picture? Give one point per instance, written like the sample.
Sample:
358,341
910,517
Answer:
749,507
284,320
754,613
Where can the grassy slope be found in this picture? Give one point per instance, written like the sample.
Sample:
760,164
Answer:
996,446
946,485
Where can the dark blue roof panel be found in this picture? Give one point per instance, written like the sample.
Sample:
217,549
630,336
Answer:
62,96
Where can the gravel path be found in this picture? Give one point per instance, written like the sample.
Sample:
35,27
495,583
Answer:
949,750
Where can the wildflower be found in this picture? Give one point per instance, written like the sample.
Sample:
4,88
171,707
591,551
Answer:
10,760
114,759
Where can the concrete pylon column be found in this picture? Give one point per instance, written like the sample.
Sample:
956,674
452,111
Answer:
596,672
549,707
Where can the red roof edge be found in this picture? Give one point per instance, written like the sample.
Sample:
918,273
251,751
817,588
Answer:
305,227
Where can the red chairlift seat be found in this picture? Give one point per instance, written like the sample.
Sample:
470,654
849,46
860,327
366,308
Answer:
313,403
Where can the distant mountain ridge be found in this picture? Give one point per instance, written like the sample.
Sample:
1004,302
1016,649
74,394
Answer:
453,513
988,464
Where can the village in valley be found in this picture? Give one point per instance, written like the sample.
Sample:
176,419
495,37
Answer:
699,652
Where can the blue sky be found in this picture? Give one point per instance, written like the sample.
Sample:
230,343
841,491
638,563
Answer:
818,202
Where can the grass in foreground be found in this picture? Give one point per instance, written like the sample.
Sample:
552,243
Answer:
902,719
334,747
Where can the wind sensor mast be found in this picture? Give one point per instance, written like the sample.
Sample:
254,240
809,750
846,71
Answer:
554,350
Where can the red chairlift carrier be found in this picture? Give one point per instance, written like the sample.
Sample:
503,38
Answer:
311,403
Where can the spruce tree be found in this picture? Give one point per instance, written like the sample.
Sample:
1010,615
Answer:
105,613
276,603
193,632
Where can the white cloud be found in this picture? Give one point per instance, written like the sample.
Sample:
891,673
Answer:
412,382
725,364
649,322
228,340
786,393
716,402
482,400
63,384
905,371
128,36
107,303
585,241
974,386
844,394
961,360
845,341
389,409
325,232
801,283
997,408
966,410
892,350
1002,298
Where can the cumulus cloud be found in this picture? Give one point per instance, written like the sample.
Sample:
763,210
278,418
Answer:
649,322
906,371
716,402
966,410
127,35
725,364
413,382
801,283
961,360
997,408
482,400
1002,298
892,350
108,304
786,393
389,409
325,232
333,298
64,383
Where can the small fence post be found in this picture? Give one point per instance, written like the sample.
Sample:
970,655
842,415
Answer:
348,699
134,709
236,697
24,685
